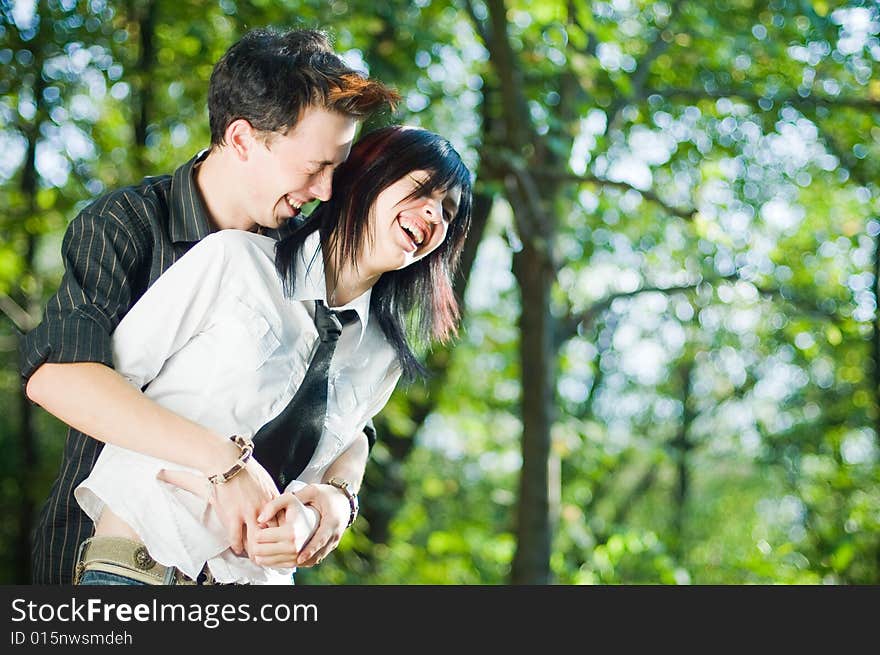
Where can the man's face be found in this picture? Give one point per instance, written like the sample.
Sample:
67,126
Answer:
290,170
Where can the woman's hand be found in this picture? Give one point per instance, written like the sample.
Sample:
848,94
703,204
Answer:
334,510
278,546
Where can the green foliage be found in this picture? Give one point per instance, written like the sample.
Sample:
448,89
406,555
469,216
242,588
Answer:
710,170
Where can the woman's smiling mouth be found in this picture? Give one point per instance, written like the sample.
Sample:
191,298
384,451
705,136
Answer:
414,228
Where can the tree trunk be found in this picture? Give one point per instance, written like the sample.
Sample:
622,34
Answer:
26,504
681,448
144,14
27,435
875,342
531,564
875,364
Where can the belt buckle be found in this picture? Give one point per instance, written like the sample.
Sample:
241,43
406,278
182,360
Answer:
142,559
80,567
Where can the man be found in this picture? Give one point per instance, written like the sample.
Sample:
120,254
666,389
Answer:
283,111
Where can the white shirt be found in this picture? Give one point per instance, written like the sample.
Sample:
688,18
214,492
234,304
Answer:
216,341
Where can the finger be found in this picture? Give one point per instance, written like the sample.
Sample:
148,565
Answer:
271,535
319,556
274,548
271,523
318,540
274,506
234,533
277,561
251,530
321,543
307,494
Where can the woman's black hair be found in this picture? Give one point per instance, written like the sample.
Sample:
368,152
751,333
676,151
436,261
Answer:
422,293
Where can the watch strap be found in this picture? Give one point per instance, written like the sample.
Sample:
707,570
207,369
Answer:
345,487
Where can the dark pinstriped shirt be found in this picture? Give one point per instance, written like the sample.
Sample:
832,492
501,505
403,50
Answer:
113,250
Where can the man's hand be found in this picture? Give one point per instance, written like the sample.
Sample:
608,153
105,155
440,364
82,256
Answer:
279,546
334,509
239,501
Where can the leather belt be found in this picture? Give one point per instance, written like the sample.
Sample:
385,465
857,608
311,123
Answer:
131,559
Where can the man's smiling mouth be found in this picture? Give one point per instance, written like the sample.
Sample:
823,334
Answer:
294,205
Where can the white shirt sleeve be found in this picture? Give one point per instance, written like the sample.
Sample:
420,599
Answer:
383,393
172,311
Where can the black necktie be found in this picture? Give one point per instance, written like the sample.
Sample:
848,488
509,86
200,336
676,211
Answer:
285,444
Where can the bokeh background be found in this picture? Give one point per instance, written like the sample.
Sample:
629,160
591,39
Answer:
669,365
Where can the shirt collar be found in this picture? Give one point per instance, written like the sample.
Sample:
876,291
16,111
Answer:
188,217
311,283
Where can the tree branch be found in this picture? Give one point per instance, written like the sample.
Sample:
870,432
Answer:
811,102
479,24
804,305
686,214
14,312
517,118
585,411
752,97
482,207
592,39
513,192
603,485
852,163
658,47
568,326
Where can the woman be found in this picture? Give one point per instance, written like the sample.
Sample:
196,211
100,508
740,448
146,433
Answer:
225,336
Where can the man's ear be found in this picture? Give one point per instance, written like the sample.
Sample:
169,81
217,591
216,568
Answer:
241,138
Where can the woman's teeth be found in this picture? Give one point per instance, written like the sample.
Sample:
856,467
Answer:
414,232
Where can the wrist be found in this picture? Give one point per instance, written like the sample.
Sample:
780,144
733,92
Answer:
244,448
221,455
344,486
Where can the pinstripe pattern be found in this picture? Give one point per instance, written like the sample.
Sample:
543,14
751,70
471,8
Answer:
116,248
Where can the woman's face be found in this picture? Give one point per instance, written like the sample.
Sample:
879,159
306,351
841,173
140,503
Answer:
407,229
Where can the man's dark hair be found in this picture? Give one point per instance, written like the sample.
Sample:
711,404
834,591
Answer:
421,293
269,78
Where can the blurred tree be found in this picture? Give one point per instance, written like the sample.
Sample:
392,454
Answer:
657,97
46,68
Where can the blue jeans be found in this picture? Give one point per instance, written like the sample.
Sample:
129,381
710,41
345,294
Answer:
103,578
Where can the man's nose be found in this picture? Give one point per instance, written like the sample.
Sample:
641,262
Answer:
322,189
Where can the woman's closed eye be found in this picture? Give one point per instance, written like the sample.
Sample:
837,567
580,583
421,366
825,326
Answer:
450,209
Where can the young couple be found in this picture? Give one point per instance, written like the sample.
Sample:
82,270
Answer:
230,362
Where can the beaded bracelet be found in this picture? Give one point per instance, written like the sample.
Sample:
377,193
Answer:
247,449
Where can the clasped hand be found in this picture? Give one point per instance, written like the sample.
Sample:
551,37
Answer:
282,539
271,528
